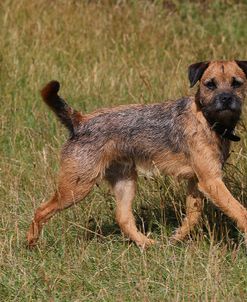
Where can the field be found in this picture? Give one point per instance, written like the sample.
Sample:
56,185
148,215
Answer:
107,53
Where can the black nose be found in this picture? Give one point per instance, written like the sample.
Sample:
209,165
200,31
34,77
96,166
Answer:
228,101
226,98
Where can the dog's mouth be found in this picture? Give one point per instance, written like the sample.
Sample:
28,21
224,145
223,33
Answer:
229,110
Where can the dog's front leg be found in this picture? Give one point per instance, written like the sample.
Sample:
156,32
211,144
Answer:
208,169
216,190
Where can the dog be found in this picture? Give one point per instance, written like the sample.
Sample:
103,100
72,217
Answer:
188,138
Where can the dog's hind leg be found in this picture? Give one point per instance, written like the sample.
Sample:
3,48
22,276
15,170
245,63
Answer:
123,183
71,189
194,207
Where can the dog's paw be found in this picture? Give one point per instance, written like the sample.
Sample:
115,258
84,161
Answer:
33,235
145,243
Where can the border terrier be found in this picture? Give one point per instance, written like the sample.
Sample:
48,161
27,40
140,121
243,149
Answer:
188,138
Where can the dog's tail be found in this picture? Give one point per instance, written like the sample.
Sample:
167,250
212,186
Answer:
69,117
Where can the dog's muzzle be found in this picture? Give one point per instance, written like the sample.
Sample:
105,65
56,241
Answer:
227,102
224,110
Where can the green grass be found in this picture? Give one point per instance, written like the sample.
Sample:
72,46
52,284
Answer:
107,53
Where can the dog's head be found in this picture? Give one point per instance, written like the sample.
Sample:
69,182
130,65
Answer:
222,90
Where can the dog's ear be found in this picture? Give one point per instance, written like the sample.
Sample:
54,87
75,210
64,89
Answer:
195,72
243,66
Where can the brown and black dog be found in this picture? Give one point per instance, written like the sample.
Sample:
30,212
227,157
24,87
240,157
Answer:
189,138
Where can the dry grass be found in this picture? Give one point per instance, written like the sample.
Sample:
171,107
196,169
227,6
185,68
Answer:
107,53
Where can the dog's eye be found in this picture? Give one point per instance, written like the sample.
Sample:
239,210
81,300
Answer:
210,85
236,83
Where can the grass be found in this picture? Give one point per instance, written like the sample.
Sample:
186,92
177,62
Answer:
107,53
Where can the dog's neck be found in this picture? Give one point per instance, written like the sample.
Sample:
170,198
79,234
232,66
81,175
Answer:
221,130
